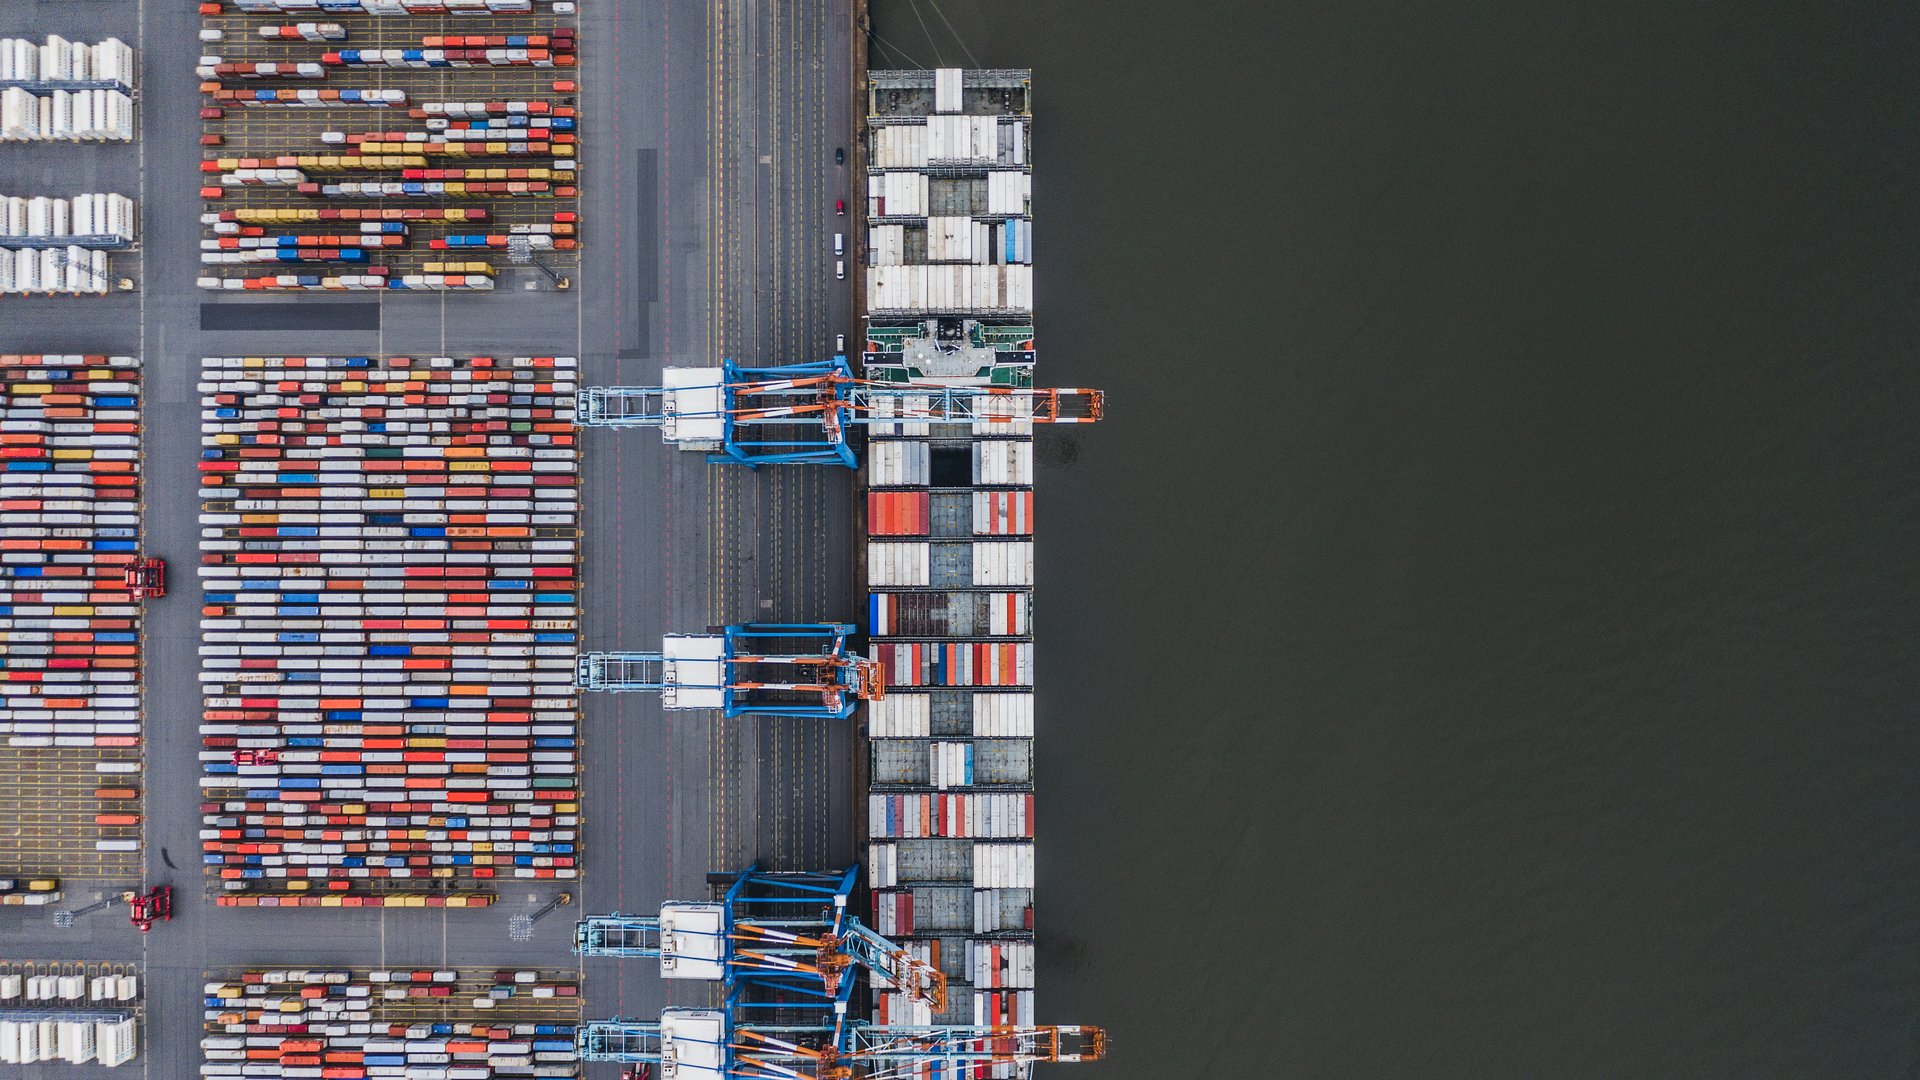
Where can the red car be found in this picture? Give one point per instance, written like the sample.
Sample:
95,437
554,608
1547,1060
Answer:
156,904
147,578
840,207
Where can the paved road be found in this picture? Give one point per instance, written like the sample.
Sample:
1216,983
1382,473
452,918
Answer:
708,191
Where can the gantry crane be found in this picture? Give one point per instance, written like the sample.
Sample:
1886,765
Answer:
785,946
787,933
711,1044
747,670
736,410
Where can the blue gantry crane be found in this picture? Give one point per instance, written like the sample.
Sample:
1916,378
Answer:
758,669
800,414
787,951
784,935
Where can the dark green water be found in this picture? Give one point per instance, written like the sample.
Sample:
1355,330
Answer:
1482,641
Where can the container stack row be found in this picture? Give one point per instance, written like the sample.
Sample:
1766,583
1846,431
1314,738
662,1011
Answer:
353,1024
69,629
65,116
949,547
74,1041
389,550
59,62
313,125
71,1012
59,245
950,811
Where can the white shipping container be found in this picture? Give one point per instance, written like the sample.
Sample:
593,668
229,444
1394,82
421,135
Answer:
903,716
897,464
947,94
911,405
1004,716
1003,462
887,245
1002,562
949,239
899,564
903,194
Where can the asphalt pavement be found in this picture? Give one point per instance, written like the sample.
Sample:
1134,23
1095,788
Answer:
708,187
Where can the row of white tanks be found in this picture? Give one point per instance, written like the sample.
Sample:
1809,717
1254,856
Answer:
102,214
60,60
65,116
23,1042
14,988
70,271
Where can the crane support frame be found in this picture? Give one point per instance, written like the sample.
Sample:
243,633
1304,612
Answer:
823,396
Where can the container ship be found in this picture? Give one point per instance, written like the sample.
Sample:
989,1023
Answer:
949,550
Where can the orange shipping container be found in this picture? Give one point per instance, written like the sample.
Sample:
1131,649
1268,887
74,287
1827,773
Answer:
898,513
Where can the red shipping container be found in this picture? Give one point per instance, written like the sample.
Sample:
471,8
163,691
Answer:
898,513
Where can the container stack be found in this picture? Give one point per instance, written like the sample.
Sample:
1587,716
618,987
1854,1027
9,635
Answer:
66,90
71,1012
69,630
313,124
389,551
447,1025
59,245
949,191
949,550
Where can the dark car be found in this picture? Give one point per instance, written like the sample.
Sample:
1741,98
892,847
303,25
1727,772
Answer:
839,155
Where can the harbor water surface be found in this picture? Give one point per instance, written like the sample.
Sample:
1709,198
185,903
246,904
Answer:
1482,639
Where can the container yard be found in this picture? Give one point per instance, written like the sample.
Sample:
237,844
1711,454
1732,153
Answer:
392,566
949,554
70,772
448,1024
389,565
417,146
